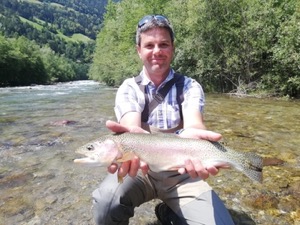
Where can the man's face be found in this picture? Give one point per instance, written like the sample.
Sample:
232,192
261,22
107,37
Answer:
156,51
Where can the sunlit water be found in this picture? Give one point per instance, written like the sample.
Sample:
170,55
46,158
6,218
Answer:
39,184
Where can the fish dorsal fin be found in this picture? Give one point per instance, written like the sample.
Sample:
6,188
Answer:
126,157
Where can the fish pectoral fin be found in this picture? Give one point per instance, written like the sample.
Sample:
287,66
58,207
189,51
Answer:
120,179
126,157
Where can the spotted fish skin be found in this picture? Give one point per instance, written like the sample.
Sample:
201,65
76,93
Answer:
167,152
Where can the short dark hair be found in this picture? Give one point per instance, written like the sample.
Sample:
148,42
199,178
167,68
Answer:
153,21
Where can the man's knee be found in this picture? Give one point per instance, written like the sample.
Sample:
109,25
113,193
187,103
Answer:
111,209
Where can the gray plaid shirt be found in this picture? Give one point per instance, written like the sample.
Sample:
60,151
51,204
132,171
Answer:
166,115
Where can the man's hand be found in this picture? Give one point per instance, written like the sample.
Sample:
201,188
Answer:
195,168
118,128
200,134
131,167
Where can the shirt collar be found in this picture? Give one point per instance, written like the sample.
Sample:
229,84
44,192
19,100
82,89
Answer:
147,81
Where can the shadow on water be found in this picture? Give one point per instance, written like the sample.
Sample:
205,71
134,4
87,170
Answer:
155,223
241,218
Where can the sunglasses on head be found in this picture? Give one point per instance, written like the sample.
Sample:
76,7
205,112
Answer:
149,18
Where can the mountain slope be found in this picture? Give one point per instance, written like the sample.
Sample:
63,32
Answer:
66,17
50,39
68,27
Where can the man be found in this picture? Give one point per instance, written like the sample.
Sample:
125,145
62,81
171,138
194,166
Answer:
187,198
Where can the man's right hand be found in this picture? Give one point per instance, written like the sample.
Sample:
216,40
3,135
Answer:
130,167
118,128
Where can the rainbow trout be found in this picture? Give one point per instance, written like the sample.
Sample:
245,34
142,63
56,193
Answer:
167,152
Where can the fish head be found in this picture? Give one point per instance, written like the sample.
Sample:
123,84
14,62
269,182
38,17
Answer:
99,153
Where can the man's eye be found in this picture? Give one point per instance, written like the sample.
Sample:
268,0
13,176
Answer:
165,45
148,46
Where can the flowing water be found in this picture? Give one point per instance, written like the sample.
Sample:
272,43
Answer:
41,126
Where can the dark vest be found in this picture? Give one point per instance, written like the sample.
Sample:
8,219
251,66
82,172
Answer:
178,80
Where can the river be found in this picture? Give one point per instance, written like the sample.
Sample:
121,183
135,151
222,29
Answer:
41,126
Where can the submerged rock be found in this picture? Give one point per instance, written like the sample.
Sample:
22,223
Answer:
63,122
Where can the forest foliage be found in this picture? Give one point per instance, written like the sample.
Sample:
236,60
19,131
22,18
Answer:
23,62
64,31
241,46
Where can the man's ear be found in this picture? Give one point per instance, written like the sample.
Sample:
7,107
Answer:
138,49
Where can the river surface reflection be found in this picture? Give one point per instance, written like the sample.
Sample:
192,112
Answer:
41,126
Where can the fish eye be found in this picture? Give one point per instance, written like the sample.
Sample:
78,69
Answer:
90,147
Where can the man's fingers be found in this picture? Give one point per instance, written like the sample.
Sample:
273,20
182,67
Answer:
196,169
137,130
210,135
124,168
144,167
112,168
130,167
212,170
182,170
189,166
116,127
134,167
200,134
200,170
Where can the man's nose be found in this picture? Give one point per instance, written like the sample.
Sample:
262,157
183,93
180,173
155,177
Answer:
157,50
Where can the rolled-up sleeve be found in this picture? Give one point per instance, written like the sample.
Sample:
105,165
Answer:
129,98
194,97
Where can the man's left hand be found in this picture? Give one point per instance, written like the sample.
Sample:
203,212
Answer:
194,167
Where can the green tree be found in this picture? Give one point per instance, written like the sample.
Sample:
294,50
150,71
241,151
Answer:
21,63
6,61
32,69
115,57
227,45
59,69
285,76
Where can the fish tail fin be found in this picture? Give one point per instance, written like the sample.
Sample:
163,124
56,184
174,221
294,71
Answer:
254,167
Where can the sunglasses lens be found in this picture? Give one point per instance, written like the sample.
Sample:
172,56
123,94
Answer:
161,18
149,18
145,20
